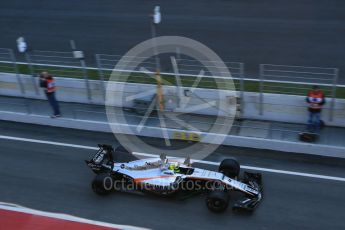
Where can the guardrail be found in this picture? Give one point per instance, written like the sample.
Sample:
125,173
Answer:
282,79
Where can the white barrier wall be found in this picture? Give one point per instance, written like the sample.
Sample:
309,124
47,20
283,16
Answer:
276,107
290,108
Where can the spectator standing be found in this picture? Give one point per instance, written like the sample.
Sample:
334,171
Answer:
48,83
315,100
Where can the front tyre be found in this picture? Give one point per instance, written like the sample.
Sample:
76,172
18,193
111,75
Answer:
230,168
102,184
217,201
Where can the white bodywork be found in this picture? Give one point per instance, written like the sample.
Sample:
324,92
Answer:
164,172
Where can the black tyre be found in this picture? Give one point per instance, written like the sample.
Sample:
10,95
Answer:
229,167
102,184
217,201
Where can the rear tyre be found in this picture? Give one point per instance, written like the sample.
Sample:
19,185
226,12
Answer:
217,201
102,184
230,168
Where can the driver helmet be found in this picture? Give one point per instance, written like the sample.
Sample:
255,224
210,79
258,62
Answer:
174,167
171,166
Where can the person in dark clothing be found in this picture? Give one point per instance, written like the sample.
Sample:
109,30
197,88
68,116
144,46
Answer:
48,83
315,99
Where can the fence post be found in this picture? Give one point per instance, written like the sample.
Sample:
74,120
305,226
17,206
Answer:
241,85
19,80
32,72
334,94
100,73
261,96
80,55
86,77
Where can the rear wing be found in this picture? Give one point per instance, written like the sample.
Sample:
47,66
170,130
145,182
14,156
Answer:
103,160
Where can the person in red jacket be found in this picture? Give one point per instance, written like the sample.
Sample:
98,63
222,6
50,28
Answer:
48,83
315,99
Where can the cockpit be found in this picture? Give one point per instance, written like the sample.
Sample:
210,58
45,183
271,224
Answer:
177,168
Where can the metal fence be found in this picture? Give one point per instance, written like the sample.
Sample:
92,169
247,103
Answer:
8,64
59,64
187,67
272,78
297,80
176,71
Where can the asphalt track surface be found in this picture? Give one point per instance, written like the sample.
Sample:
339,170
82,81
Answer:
55,178
297,32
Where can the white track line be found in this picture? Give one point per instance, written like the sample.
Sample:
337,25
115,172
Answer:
318,176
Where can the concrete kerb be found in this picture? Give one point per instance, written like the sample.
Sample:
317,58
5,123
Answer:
240,141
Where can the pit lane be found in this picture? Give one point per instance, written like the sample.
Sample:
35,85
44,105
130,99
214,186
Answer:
55,178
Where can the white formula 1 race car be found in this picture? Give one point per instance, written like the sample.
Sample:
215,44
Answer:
170,176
